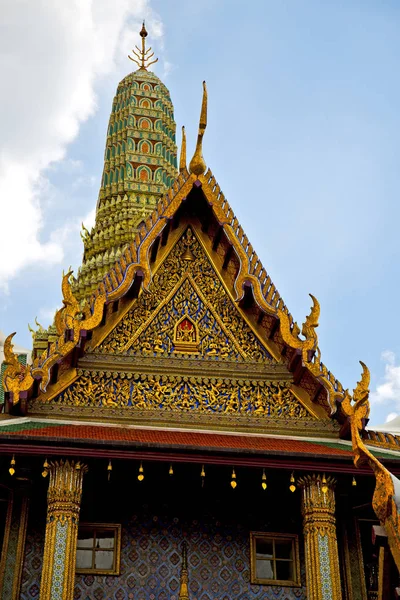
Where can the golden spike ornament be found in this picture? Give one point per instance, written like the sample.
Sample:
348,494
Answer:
184,589
197,164
384,500
182,160
143,56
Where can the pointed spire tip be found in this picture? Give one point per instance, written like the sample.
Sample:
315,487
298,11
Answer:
197,164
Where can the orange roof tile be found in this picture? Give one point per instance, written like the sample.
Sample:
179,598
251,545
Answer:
169,438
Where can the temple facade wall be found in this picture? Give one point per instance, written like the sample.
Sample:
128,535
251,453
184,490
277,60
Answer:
151,548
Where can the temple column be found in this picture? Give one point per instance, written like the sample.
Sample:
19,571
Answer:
319,526
12,554
63,505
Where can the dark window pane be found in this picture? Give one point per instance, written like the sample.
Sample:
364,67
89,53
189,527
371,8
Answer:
264,548
84,559
283,549
105,539
284,570
104,559
264,569
85,539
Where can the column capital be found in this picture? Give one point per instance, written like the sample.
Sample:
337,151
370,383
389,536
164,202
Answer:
318,492
65,489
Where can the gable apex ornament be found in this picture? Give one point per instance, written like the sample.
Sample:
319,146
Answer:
197,164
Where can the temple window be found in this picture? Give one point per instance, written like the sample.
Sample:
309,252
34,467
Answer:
274,559
98,549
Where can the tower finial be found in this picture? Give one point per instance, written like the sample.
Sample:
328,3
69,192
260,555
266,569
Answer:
143,55
197,164
182,160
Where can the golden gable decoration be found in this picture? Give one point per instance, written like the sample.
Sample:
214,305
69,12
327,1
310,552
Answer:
186,310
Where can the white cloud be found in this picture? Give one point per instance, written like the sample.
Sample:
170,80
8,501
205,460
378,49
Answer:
389,389
390,417
52,53
46,316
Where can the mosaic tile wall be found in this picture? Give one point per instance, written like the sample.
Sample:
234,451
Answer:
218,556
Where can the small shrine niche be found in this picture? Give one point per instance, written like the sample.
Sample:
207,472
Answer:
186,336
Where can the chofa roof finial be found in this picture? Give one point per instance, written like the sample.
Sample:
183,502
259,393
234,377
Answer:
197,164
143,56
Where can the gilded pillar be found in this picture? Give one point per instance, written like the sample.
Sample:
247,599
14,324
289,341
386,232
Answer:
319,526
63,505
12,553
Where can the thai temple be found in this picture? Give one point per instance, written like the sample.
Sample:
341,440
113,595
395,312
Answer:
177,435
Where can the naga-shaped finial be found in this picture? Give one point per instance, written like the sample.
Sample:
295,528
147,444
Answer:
41,328
310,353
311,322
182,160
143,56
197,164
290,335
357,409
85,235
17,377
10,359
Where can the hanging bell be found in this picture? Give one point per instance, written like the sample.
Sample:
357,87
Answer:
141,473
202,475
11,470
354,482
45,471
292,486
233,479
109,469
171,470
264,480
324,487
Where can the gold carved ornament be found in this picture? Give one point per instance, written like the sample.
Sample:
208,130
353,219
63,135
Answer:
310,352
175,393
357,409
17,378
185,271
70,320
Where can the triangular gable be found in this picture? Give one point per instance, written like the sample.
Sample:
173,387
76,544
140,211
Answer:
135,268
185,347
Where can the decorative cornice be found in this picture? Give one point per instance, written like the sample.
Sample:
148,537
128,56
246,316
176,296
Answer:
186,365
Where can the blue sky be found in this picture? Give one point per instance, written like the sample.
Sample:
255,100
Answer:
302,137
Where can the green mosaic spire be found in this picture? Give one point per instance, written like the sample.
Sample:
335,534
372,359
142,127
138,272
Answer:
140,164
